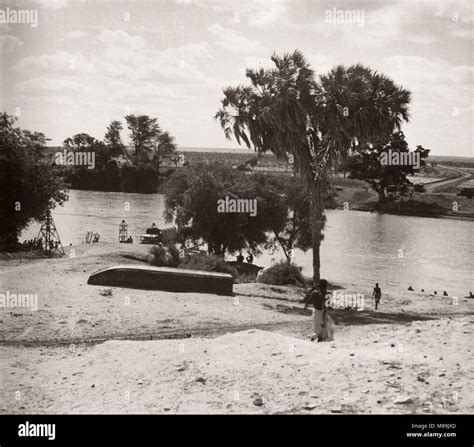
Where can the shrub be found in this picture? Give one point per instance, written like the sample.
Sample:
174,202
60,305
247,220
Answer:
282,274
245,278
158,256
174,253
208,263
164,256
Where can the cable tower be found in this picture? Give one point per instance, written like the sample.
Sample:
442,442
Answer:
49,237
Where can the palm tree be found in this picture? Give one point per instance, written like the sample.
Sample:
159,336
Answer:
287,111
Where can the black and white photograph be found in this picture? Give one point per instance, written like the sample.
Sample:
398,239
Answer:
243,207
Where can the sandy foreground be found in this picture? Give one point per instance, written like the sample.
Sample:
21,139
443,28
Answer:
88,350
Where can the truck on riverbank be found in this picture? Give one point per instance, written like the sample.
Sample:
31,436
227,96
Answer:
156,236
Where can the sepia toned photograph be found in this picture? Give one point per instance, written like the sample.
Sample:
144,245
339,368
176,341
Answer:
236,207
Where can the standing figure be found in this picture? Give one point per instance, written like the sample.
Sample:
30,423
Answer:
377,295
323,324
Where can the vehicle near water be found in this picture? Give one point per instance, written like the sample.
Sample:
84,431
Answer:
156,236
152,239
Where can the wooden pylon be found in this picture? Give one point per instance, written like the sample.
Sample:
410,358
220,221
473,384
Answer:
49,236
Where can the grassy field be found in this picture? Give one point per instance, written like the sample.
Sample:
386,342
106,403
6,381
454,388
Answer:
461,162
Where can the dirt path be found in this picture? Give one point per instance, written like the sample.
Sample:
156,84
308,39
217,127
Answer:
299,329
436,188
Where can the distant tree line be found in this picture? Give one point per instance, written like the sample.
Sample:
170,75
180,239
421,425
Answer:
135,168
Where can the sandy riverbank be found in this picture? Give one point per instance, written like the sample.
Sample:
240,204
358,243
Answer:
417,347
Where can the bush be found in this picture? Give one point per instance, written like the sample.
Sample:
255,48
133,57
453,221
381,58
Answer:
169,256
282,274
174,253
208,263
165,256
245,278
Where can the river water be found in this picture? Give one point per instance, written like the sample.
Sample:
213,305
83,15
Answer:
359,248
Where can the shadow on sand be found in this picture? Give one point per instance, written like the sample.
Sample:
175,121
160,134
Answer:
354,317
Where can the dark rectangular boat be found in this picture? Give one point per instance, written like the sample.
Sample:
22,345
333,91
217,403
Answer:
163,278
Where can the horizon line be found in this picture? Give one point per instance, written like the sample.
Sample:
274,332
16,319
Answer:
213,149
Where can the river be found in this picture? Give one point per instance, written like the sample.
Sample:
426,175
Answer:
359,248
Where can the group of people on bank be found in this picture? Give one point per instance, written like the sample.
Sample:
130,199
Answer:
38,244
249,258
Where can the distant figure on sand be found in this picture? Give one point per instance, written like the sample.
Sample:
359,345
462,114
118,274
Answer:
240,258
323,324
250,258
377,295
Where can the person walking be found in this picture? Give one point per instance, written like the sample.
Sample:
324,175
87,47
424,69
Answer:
377,295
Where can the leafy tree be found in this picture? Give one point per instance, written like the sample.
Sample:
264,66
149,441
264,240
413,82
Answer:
144,133
81,176
164,147
295,230
79,142
191,199
365,164
287,111
29,185
113,140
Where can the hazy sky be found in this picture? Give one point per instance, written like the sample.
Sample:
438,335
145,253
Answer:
88,62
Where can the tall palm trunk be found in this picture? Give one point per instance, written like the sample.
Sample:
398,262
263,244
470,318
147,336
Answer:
317,223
